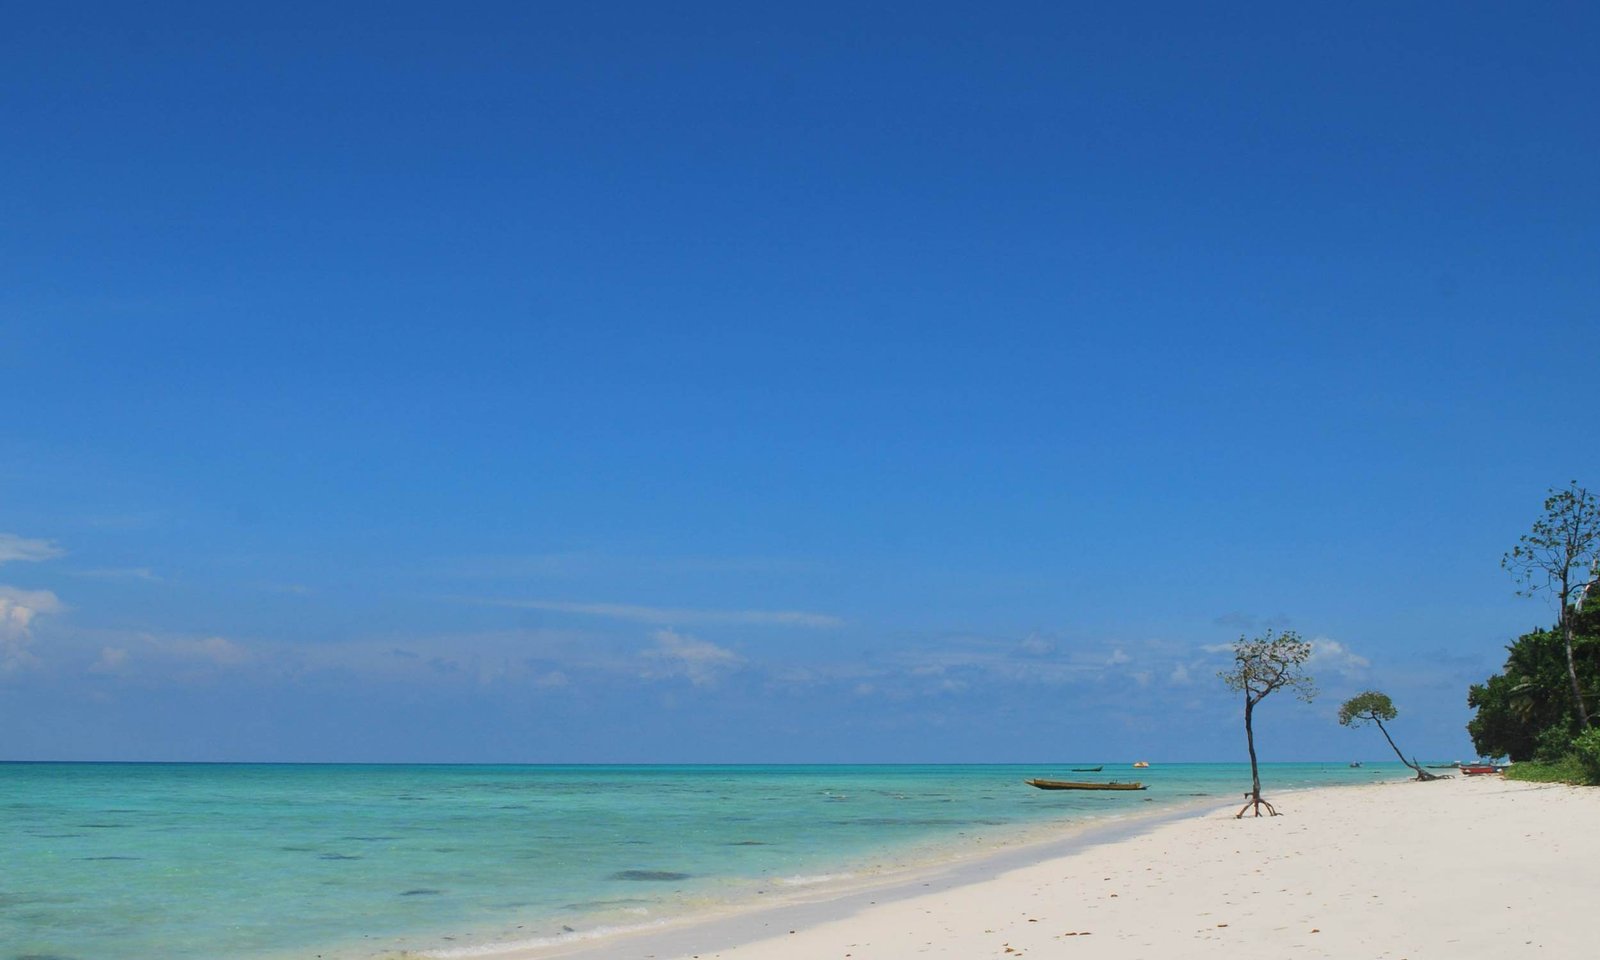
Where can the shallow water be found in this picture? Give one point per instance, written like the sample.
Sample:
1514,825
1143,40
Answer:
247,862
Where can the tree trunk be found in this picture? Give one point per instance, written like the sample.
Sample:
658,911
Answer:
1572,667
1385,732
1250,740
1421,773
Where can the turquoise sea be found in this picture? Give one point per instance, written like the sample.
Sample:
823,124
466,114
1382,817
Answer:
251,862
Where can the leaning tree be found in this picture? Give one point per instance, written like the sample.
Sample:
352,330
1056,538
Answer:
1260,666
1561,554
1375,707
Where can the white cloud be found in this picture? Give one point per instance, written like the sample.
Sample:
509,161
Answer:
675,616
18,610
14,548
1332,654
1180,675
682,655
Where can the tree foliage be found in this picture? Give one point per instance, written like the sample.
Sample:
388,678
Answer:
1268,663
1526,710
1368,707
1561,554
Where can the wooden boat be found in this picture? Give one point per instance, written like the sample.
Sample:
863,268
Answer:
1082,785
1140,764
1479,769
1089,769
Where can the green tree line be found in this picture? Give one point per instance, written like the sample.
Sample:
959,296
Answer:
1540,706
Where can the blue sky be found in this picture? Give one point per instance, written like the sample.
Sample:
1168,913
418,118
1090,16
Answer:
739,382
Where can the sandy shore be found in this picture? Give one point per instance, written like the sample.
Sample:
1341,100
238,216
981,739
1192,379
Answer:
1460,868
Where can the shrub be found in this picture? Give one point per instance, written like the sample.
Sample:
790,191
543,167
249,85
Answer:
1553,743
1586,748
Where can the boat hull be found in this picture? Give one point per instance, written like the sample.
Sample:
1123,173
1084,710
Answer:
1082,785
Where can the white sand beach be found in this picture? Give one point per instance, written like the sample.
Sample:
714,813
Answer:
1459,868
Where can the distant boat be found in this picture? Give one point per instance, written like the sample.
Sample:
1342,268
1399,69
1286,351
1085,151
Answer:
1355,763
1141,764
1444,766
1088,769
1083,785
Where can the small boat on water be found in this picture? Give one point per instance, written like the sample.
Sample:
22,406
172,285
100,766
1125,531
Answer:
1089,769
1082,785
1141,764
1355,763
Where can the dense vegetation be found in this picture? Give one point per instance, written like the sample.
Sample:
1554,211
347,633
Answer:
1525,711
1581,765
1537,709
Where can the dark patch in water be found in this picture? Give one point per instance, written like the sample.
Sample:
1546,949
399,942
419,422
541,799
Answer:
648,875
909,822
370,839
337,856
297,849
588,905
421,893
42,956
111,858
633,843
57,836
747,843
102,826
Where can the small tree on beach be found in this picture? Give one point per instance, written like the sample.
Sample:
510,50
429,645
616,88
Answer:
1375,707
1260,666
1562,554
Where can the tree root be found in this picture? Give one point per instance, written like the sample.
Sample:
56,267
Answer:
1258,803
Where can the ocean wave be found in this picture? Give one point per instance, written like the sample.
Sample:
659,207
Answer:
804,880
530,943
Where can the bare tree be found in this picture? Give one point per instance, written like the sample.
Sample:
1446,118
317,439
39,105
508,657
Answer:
1375,707
1561,554
1261,665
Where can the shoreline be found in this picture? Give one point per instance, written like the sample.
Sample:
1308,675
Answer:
732,923
1388,869
943,864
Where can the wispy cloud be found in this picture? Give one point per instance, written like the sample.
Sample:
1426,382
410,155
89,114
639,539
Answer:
672,616
22,549
677,654
119,573
18,610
